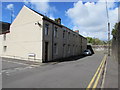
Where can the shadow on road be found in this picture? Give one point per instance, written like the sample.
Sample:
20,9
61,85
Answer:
73,58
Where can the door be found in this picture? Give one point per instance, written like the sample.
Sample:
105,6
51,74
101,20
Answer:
63,50
46,51
73,50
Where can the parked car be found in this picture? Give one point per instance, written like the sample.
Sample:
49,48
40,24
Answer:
87,52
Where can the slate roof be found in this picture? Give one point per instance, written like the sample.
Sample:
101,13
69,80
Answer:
48,19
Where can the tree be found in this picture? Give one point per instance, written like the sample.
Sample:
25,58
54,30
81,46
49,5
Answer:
95,41
114,30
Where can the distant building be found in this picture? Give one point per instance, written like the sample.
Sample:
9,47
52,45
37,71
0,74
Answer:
36,37
4,29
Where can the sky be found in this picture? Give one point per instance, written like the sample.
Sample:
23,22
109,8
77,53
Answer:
89,18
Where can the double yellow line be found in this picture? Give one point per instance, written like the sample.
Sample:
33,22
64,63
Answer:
97,75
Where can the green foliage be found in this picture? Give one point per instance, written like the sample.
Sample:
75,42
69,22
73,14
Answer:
115,30
95,41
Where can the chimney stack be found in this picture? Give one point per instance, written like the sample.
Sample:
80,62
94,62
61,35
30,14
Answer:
77,31
58,20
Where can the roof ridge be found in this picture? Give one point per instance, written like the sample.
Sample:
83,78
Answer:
47,18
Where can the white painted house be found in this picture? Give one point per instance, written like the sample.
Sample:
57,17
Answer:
34,36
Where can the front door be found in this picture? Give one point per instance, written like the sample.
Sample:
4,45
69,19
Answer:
46,51
63,50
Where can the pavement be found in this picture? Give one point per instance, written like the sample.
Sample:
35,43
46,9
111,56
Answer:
0,73
27,62
111,78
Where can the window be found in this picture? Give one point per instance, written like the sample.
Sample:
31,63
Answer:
68,35
46,29
64,50
55,48
4,48
63,34
73,45
63,46
4,37
73,35
68,48
55,32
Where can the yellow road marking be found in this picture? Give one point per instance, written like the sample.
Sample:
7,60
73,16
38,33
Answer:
103,81
93,79
98,77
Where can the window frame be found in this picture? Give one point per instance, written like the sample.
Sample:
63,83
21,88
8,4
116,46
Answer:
55,49
56,32
68,48
63,33
46,29
68,35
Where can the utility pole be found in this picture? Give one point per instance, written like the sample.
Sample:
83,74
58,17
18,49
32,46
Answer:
11,15
108,39
108,24
45,14
30,5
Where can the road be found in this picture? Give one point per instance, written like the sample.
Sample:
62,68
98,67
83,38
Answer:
69,74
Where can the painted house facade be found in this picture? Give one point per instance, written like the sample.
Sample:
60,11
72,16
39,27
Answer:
36,37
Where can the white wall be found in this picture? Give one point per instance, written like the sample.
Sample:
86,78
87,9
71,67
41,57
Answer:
25,36
1,46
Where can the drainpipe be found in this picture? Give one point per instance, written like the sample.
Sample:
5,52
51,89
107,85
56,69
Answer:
52,38
43,54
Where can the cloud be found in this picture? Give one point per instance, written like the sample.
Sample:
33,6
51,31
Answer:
51,17
91,18
41,6
10,6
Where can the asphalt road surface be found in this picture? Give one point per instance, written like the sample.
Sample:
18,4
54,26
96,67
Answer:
69,74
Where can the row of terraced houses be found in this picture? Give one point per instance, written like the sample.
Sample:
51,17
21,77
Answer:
34,36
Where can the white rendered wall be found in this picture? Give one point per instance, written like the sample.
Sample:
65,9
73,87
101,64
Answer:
1,46
25,36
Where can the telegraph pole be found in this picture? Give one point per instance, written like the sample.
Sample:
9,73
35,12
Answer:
108,24
11,15
30,5
108,39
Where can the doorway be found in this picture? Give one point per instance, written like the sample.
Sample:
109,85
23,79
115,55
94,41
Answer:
46,51
63,50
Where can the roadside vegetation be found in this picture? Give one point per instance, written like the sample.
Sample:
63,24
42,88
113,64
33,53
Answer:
115,30
96,41
116,42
